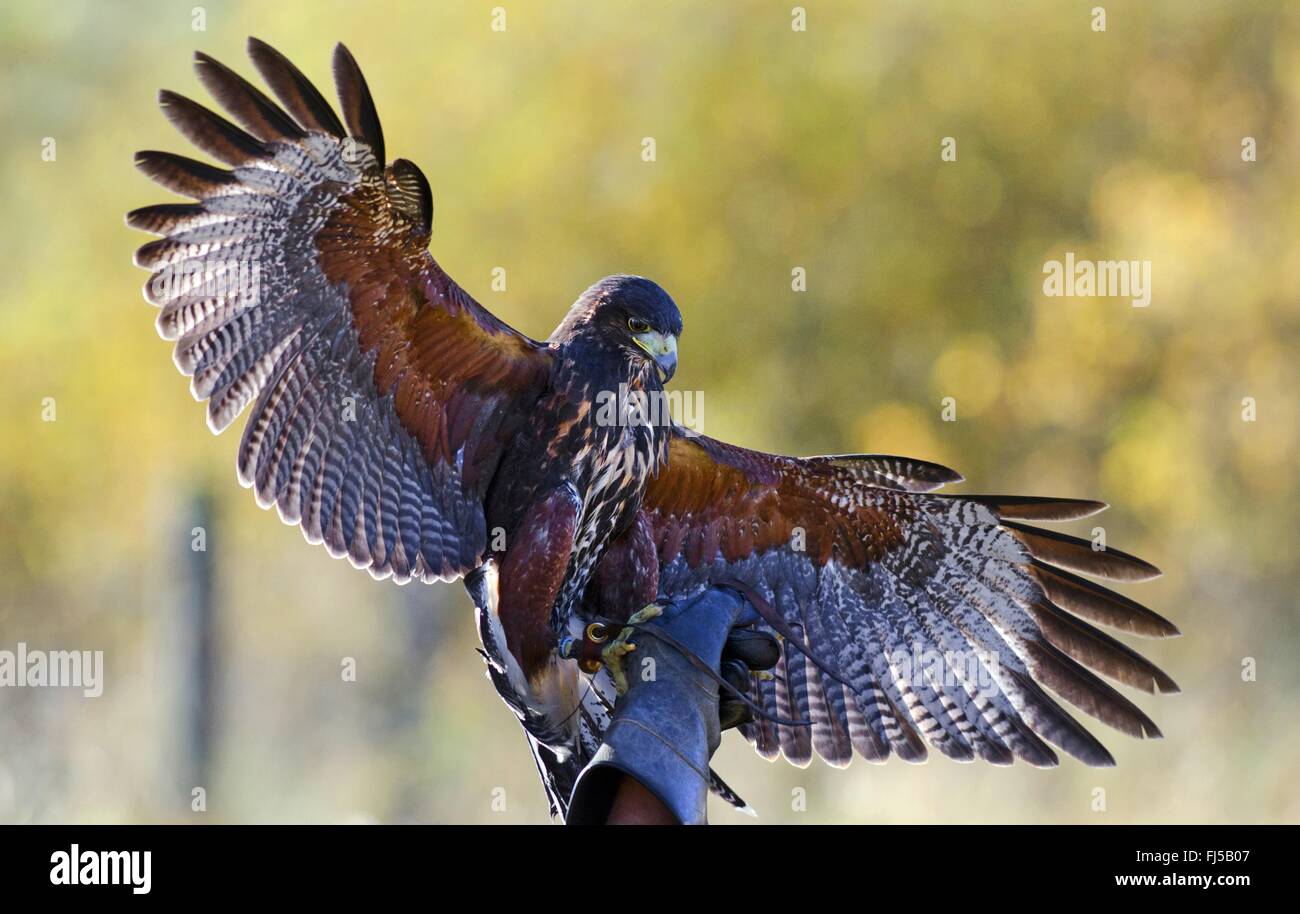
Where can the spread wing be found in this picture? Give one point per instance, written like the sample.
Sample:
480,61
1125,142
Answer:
925,618
383,395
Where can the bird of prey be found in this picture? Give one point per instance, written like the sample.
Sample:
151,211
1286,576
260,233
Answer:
403,426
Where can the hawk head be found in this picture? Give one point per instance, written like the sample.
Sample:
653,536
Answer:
629,317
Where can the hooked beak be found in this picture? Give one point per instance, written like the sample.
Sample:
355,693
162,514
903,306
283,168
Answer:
662,347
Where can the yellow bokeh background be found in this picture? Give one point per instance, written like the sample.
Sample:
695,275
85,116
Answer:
775,149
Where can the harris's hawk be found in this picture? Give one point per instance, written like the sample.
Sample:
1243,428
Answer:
403,426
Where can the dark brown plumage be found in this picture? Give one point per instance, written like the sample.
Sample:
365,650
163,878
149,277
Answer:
404,426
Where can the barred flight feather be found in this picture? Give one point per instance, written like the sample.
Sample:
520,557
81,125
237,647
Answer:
942,616
298,283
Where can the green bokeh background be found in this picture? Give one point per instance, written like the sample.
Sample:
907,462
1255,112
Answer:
775,149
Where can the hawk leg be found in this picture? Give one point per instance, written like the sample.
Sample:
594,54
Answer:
614,654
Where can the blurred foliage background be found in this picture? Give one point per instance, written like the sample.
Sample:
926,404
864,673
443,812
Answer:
776,149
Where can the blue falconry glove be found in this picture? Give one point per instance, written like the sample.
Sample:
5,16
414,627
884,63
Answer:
669,722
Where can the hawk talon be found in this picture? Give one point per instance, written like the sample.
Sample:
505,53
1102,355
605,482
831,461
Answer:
614,654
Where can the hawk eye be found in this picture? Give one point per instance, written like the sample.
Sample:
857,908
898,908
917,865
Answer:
637,325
